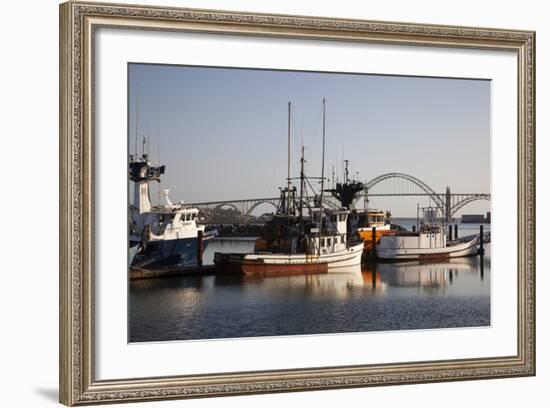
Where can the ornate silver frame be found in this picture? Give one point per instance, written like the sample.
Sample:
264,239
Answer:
78,21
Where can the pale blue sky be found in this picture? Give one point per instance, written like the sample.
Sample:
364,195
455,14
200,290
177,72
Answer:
223,132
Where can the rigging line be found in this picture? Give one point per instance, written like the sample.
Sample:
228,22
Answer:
311,137
274,167
297,141
310,186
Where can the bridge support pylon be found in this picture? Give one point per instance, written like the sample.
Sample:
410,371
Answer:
448,205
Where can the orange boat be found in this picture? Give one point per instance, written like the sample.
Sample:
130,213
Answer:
364,222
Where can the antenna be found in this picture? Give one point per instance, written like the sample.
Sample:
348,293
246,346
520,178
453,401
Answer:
343,164
158,163
158,147
143,146
302,135
346,171
137,120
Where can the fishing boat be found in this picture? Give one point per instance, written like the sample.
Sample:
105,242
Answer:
318,249
362,222
299,239
428,242
373,224
165,236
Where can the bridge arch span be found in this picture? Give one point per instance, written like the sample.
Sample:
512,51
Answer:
256,205
457,206
423,186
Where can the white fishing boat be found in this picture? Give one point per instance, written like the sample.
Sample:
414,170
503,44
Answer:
299,239
429,242
310,251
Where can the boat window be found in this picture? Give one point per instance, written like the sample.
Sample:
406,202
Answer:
329,242
322,242
342,239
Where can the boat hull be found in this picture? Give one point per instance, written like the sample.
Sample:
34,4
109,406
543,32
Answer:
427,254
133,251
270,264
366,236
170,254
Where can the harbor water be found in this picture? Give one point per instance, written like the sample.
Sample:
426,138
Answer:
374,297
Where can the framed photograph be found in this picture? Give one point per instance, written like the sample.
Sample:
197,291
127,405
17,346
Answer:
256,203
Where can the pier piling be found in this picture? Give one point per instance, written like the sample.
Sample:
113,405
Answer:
374,241
456,231
414,228
199,248
481,249
481,253
450,238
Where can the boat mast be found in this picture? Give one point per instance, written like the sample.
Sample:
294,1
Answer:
322,182
288,167
302,187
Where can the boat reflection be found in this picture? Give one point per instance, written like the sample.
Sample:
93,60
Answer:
377,296
373,279
435,276
338,282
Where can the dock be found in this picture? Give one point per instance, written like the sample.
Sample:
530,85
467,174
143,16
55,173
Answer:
137,273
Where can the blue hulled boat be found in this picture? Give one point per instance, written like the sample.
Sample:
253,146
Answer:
165,236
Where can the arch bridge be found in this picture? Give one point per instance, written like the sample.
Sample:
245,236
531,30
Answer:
408,186
384,185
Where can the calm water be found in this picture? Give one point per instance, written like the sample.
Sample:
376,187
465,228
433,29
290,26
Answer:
375,297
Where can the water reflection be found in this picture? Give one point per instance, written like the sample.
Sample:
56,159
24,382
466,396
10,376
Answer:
377,296
431,276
